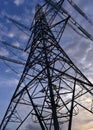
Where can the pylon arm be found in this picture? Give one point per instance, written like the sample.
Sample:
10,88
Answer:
71,20
80,11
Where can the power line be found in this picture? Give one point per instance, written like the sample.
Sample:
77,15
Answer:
72,21
11,60
11,45
77,8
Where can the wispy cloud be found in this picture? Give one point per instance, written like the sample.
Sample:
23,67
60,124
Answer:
83,121
9,82
17,44
3,52
18,2
32,127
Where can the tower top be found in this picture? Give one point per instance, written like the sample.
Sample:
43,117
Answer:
38,12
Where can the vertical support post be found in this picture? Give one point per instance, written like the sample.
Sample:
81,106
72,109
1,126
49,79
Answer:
53,106
43,33
71,111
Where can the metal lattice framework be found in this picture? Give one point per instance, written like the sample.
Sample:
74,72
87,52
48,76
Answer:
51,87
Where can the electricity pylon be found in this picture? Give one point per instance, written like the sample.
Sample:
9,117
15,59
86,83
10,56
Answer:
51,86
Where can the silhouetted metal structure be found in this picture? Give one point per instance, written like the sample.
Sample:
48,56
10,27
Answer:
51,86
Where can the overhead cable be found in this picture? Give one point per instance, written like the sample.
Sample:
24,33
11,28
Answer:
11,60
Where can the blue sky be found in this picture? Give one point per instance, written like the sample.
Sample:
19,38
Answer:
79,49
23,11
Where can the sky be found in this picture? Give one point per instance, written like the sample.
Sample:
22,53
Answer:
79,49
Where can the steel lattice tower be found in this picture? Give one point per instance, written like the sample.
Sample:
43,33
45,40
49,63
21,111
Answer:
51,86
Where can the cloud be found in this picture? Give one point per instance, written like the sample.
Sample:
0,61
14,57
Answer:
32,127
18,2
16,44
83,121
3,52
11,35
9,82
81,51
